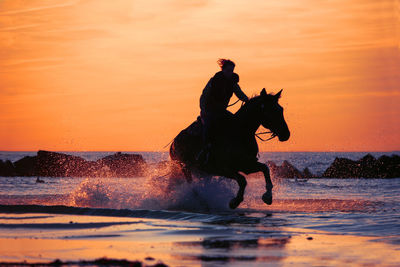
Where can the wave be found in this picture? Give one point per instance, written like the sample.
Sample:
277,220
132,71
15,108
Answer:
128,213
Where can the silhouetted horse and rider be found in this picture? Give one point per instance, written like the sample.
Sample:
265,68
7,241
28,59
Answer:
224,144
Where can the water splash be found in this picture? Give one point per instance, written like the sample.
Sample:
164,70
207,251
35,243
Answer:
91,193
163,188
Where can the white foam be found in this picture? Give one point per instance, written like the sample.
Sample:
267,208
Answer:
166,192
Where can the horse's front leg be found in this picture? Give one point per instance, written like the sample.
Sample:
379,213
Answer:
241,180
260,167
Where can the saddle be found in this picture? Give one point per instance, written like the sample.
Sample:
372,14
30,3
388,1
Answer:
196,128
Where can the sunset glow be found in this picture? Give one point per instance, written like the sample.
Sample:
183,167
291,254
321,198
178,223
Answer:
127,75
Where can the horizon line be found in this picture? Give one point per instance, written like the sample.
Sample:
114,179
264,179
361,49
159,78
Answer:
153,151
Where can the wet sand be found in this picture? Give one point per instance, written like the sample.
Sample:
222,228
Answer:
44,238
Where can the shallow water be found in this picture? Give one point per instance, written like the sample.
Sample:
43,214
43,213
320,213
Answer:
358,206
190,224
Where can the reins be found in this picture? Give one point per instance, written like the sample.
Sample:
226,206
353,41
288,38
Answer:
272,136
258,134
233,103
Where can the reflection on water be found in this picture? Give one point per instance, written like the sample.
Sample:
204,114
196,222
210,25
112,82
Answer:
301,249
238,249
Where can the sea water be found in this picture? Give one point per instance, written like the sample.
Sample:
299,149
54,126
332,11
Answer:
361,207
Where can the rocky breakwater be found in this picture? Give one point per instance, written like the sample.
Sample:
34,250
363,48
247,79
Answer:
366,167
287,170
54,164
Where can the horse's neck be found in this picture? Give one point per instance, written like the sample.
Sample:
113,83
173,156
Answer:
248,120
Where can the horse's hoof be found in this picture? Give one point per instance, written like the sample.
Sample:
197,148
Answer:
234,203
267,197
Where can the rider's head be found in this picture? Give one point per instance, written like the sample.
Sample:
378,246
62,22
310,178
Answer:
227,66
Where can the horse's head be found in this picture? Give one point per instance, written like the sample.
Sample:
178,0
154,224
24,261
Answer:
272,115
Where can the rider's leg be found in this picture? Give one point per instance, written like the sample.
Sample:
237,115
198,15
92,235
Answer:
207,136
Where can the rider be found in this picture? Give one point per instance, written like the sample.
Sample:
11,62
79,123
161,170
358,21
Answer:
215,99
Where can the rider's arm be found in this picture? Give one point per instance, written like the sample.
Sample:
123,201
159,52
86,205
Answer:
239,93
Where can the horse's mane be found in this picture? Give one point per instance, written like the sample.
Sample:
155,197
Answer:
255,97
253,101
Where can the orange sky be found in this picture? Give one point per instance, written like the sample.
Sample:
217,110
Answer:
127,75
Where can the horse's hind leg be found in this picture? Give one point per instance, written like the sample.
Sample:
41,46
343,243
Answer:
187,173
234,203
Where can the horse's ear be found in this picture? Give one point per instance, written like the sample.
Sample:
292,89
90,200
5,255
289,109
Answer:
263,92
278,95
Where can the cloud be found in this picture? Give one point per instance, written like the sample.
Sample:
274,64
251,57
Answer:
19,27
5,4
27,65
358,95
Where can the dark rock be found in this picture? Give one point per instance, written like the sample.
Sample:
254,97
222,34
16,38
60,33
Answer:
25,166
39,181
342,168
290,171
307,173
369,167
124,165
7,168
389,167
366,167
53,164
286,170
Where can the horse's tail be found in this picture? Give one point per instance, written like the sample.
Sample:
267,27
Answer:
172,150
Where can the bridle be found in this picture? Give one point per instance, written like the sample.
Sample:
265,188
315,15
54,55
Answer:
273,135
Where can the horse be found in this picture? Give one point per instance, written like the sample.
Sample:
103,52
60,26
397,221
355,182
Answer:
236,148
